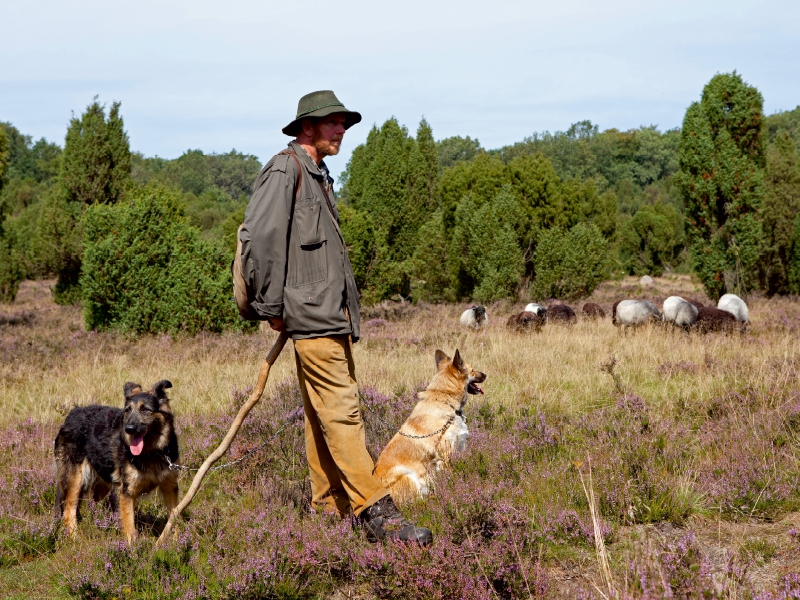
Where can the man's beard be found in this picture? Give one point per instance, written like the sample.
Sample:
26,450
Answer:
324,147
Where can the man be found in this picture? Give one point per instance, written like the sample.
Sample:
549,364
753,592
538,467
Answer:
295,259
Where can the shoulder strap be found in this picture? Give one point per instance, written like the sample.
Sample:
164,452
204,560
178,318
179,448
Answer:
299,175
300,180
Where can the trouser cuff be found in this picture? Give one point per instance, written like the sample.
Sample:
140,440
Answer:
382,493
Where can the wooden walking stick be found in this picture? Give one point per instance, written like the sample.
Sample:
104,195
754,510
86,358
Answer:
263,375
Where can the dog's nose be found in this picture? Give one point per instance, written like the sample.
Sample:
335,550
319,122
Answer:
130,429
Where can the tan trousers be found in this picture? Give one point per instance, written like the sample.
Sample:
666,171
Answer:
340,466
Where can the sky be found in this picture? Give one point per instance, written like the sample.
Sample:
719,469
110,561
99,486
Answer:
215,76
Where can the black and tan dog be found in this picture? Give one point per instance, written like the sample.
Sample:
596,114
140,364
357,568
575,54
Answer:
100,447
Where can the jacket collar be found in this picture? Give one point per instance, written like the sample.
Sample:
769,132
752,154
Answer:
305,159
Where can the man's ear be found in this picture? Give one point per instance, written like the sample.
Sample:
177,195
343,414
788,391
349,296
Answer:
458,362
158,389
131,389
441,358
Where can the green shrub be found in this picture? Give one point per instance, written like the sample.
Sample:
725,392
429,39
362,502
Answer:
570,264
485,259
651,240
10,271
146,270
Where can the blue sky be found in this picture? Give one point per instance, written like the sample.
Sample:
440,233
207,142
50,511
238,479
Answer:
216,76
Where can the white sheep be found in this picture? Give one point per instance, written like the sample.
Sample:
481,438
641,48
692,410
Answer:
679,312
632,313
536,309
733,304
474,317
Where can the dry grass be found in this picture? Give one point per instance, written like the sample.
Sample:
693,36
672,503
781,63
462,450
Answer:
52,364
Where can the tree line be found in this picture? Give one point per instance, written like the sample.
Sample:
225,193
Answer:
550,216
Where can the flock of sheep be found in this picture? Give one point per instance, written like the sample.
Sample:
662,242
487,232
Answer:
730,314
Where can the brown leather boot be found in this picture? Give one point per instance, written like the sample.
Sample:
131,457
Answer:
383,520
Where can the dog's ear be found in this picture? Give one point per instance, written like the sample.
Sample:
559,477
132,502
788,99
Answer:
441,358
158,389
458,362
131,389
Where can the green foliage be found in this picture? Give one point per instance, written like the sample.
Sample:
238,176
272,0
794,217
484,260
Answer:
722,183
232,173
392,178
96,165
781,206
456,149
651,240
95,169
641,156
146,270
359,231
430,275
485,260
5,159
570,264
39,160
784,122
10,271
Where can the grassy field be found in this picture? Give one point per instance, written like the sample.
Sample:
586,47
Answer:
687,442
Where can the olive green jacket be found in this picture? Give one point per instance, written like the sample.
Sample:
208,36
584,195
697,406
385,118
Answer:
295,260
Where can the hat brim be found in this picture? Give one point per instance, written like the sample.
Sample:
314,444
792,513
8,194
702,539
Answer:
351,117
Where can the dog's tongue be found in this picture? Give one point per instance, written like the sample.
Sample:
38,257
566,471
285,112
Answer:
479,388
137,444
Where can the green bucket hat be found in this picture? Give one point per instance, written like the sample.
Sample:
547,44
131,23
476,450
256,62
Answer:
320,104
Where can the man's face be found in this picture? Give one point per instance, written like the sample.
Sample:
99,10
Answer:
327,134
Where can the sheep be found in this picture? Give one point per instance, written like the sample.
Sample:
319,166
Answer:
474,318
537,309
561,313
632,313
591,310
525,321
733,304
710,318
679,312
695,303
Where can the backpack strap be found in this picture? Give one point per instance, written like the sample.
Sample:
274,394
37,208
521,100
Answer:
299,175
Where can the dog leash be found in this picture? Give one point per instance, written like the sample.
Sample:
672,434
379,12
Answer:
408,435
178,467
175,467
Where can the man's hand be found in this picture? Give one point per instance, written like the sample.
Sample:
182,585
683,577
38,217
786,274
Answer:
276,323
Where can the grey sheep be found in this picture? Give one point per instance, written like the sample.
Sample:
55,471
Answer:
633,313
679,312
733,304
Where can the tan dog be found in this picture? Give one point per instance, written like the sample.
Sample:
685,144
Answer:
435,428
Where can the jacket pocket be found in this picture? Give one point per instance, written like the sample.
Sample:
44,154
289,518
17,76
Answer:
307,259
307,213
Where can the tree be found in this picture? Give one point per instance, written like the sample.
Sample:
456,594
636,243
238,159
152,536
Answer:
456,149
721,179
570,264
391,181
781,207
96,165
486,262
95,169
145,270
5,157
651,240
